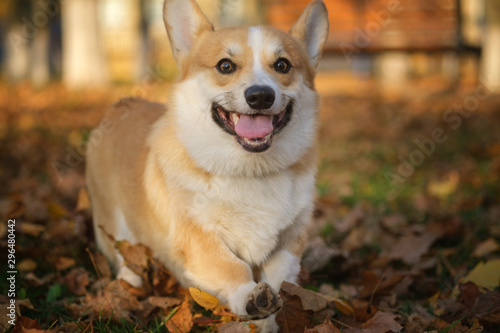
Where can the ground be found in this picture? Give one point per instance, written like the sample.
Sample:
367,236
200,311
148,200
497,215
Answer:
405,235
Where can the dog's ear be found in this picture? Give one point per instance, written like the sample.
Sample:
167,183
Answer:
184,22
312,30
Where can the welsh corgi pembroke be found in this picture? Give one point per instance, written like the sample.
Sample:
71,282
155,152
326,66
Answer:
220,182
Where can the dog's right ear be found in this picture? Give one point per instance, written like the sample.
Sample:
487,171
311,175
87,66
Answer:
184,22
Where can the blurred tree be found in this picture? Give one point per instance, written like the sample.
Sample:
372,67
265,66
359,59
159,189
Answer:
490,58
83,57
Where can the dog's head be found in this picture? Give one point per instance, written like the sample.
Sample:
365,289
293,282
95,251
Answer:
245,102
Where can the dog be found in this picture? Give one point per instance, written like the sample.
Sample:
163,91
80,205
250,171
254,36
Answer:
220,182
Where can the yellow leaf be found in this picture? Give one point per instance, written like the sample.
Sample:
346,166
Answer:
204,299
485,275
488,246
344,307
83,200
27,265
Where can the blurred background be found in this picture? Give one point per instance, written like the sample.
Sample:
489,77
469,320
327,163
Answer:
409,136
84,43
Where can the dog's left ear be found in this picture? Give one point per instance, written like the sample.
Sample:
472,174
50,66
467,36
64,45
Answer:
312,30
184,22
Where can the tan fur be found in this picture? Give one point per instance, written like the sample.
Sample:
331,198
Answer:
219,217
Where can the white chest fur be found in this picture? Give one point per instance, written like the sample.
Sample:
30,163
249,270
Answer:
250,213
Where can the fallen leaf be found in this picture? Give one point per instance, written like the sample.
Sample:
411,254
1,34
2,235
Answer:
417,323
101,264
325,327
444,188
31,229
114,301
468,294
234,327
410,248
77,280
203,298
485,275
343,306
292,317
157,302
36,281
63,263
27,325
487,308
163,282
83,201
373,284
27,265
363,310
310,300
135,256
182,320
163,302
484,248
380,323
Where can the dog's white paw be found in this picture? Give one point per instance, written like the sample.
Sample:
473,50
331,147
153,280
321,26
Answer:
262,302
127,275
267,325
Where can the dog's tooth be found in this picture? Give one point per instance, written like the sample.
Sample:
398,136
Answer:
235,117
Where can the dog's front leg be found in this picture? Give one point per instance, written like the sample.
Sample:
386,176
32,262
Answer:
212,266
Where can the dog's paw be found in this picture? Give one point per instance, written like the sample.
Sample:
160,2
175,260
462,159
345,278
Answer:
262,302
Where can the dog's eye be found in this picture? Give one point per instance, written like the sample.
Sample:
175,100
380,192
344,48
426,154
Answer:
282,65
226,66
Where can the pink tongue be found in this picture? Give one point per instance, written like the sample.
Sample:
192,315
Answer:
253,127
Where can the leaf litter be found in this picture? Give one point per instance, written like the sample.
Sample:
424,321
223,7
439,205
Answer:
424,259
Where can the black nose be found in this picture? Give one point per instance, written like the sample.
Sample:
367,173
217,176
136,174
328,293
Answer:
259,97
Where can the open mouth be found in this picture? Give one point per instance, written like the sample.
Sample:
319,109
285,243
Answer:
253,132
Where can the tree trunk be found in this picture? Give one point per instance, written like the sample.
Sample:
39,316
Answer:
83,58
490,58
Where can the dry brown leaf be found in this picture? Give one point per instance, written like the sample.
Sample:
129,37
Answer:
152,303
113,301
135,256
468,294
343,306
77,280
102,265
163,302
487,309
380,323
182,320
27,265
63,263
83,201
417,323
203,298
27,325
373,284
310,300
36,281
484,248
325,327
163,282
410,248
31,229
292,317
363,310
